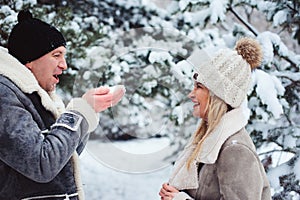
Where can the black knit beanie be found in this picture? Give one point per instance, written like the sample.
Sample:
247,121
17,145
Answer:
32,38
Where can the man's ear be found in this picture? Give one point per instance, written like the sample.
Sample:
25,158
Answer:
29,65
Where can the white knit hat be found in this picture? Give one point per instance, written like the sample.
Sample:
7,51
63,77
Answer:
227,72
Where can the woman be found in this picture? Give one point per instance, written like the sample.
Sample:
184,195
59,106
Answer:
220,161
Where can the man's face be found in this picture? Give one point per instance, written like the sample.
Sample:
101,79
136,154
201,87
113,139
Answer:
47,68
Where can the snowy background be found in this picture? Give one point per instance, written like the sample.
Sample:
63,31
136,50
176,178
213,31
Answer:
104,180
143,45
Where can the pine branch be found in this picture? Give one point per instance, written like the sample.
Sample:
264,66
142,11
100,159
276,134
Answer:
255,32
249,26
277,150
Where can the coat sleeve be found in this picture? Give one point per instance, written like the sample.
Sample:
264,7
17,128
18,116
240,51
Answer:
239,173
82,144
24,146
182,196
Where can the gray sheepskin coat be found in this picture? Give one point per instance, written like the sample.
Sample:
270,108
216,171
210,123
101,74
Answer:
38,159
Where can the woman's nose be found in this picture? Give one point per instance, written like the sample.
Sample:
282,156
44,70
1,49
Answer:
191,95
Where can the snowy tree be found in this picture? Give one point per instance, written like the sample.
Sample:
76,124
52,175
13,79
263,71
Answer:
143,46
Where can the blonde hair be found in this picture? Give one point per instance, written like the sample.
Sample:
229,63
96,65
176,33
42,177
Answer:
216,108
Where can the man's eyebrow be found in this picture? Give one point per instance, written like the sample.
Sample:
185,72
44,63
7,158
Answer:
58,51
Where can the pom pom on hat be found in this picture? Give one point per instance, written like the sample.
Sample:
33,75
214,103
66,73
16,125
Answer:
32,38
250,50
227,73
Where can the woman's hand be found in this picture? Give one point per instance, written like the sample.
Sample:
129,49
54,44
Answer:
167,192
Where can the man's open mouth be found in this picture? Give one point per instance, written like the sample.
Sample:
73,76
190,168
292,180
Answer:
56,76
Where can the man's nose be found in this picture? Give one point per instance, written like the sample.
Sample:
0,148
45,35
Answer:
63,64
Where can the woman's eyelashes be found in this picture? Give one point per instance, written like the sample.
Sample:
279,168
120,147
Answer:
198,85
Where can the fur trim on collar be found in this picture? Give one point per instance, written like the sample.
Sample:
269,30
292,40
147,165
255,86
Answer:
11,68
231,122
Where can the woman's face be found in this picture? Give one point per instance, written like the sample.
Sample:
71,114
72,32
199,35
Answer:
199,96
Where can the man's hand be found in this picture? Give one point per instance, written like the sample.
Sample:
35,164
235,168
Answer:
100,99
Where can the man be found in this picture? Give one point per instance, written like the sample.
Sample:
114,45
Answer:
39,139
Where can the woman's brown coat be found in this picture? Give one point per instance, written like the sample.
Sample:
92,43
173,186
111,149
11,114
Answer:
237,173
227,167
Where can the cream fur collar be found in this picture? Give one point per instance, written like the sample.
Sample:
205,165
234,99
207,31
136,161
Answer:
231,122
11,68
